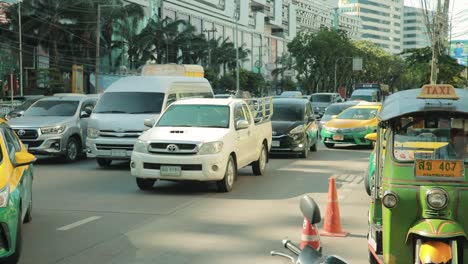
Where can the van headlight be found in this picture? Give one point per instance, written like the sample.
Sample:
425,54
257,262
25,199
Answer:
141,146
53,129
4,195
437,198
211,148
93,132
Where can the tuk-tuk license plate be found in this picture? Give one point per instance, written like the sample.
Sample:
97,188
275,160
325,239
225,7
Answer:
338,137
439,168
170,170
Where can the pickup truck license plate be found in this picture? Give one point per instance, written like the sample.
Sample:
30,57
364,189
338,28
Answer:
275,143
170,170
118,152
338,137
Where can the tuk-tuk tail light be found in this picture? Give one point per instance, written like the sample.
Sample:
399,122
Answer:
437,198
390,199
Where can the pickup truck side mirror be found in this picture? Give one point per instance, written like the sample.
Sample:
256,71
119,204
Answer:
242,124
149,122
311,119
84,114
88,110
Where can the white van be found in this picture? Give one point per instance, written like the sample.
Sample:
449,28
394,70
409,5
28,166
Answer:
118,118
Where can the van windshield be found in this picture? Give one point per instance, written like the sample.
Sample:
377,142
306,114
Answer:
130,103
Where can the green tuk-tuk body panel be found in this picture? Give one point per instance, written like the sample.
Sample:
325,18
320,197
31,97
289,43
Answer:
437,228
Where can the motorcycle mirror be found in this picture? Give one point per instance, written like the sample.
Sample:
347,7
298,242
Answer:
309,256
310,209
334,260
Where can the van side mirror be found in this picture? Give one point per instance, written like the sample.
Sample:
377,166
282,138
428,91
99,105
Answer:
310,209
149,122
88,110
84,114
371,136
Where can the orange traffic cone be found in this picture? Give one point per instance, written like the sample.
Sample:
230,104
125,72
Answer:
332,223
309,235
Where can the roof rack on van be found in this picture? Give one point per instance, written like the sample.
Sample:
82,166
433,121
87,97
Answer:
172,69
68,94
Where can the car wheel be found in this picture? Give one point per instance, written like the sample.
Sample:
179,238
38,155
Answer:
28,216
145,184
73,150
329,145
226,184
305,152
14,258
103,162
259,166
314,147
367,183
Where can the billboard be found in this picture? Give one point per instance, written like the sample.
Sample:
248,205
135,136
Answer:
459,51
3,9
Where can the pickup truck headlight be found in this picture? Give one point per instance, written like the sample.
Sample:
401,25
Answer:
211,148
141,146
93,132
53,129
4,195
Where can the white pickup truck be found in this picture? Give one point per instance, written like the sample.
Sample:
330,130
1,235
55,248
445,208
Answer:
204,140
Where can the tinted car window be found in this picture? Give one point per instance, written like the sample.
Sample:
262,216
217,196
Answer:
288,112
321,98
130,103
52,108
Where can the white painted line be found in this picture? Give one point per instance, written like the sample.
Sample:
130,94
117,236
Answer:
78,223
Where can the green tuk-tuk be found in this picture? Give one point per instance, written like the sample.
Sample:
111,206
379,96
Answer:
419,191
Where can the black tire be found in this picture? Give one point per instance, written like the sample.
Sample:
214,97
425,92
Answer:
367,183
314,147
226,184
305,152
28,216
14,258
73,150
145,184
259,166
104,163
329,145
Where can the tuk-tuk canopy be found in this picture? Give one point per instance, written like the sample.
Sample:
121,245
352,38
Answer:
405,102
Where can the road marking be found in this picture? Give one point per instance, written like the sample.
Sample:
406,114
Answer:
78,223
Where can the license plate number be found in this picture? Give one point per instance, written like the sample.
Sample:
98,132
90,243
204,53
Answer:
118,152
170,170
275,143
439,168
338,137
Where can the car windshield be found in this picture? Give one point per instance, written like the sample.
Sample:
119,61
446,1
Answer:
431,138
288,112
321,98
358,113
26,104
368,98
130,103
53,108
195,116
336,109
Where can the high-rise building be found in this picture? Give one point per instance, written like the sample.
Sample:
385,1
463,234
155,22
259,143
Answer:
381,21
415,33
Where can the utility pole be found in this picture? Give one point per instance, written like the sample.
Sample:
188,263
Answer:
98,40
212,30
439,36
236,17
20,48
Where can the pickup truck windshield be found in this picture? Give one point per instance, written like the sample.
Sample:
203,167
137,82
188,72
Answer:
195,116
288,112
52,108
130,103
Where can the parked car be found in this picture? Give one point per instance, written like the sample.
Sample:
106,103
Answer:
19,110
56,125
202,140
351,126
118,119
320,101
295,129
15,193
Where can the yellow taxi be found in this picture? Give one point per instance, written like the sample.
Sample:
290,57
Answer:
351,126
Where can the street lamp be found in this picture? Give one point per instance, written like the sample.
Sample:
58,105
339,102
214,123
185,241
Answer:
98,41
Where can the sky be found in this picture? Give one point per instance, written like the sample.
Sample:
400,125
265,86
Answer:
458,16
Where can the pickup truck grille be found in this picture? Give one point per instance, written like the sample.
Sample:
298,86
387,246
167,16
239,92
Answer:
27,133
114,146
120,134
181,146
168,148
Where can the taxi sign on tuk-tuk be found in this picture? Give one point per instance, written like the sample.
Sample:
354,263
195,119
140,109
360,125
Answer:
438,91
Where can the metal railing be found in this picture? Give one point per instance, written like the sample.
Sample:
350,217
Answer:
261,108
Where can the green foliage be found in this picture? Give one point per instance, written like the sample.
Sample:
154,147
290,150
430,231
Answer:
227,83
212,77
251,82
50,80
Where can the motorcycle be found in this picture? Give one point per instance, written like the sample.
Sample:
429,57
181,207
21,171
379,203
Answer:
308,254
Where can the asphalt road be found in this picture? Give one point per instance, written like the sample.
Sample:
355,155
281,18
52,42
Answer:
85,214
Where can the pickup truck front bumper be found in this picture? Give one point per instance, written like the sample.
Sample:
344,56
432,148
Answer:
191,167
42,144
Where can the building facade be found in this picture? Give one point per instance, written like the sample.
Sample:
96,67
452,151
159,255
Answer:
381,20
415,33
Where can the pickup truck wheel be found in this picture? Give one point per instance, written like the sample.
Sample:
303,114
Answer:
225,185
305,152
73,150
103,162
329,145
258,167
145,184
